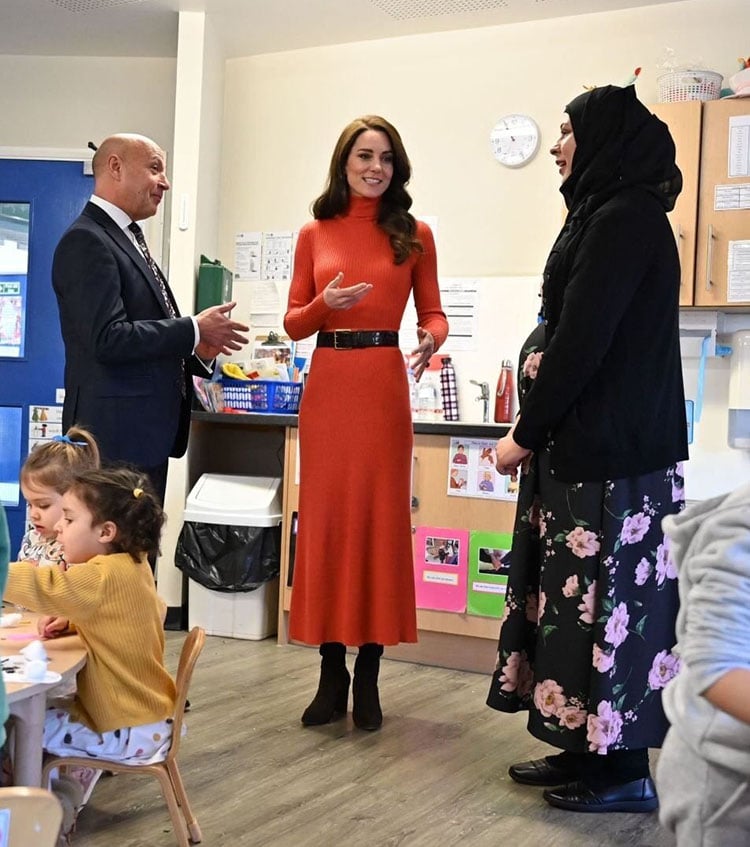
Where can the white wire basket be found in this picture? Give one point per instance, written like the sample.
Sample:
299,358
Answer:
689,85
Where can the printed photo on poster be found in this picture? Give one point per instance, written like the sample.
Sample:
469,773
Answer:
45,422
472,473
494,560
444,551
489,560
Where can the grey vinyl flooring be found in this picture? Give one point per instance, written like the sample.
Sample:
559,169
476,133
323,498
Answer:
433,776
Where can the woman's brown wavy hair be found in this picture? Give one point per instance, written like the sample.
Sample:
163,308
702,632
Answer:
393,213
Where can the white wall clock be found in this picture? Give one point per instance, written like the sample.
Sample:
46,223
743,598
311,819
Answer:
514,140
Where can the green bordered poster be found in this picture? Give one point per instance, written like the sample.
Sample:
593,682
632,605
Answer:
489,561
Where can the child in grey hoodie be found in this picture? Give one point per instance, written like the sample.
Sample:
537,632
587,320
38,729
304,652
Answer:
703,773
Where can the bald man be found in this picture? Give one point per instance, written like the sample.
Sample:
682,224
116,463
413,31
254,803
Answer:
128,353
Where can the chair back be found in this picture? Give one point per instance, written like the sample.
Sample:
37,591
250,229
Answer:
191,650
29,816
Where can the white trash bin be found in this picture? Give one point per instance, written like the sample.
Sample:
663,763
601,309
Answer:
223,499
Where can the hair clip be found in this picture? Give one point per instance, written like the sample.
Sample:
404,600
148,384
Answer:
137,492
65,439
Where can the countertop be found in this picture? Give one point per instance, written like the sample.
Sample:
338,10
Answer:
465,429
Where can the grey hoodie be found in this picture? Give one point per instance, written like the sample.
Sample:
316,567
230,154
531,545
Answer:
710,546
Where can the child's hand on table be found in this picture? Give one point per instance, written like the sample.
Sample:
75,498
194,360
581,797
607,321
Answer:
51,626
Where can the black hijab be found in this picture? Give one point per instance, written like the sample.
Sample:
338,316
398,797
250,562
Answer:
619,144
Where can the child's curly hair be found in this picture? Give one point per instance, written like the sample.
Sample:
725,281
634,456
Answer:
53,463
126,498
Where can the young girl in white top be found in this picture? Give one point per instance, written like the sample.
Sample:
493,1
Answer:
45,475
125,700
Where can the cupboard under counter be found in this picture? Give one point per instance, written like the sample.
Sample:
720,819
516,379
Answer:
266,445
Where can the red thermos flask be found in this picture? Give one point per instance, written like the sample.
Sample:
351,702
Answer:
504,394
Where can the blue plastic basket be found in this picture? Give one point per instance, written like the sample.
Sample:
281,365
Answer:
262,395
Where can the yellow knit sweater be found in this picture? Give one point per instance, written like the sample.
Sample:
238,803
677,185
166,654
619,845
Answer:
113,603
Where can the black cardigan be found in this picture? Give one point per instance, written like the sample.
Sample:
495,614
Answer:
609,396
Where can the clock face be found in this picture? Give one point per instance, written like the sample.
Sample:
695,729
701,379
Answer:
514,140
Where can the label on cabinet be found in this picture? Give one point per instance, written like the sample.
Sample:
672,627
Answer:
739,145
730,198
738,272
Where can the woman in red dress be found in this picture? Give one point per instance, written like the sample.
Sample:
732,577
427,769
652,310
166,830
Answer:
355,266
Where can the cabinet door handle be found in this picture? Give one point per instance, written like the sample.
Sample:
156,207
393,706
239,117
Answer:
414,498
709,255
679,237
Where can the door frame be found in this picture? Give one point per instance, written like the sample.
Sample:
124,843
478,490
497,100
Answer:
153,228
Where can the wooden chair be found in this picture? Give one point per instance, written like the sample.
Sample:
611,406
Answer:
183,820
35,817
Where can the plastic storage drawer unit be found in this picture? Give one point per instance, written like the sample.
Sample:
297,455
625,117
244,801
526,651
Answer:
241,501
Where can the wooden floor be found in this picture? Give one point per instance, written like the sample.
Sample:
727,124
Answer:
433,776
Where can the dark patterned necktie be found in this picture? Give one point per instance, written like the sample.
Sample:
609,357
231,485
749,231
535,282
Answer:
158,275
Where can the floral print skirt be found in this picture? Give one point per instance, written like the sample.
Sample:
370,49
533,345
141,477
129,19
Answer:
586,641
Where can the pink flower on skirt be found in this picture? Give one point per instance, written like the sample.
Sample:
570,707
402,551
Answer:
603,729
616,628
509,679
571,587
664,667
603,662
642,571
665,568
531,365
549,697
571,718
587,604
678,489
634,528
542,605
582,542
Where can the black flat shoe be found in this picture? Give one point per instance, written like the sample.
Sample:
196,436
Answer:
543,773
639,795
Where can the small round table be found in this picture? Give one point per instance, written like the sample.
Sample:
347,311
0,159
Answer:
27,701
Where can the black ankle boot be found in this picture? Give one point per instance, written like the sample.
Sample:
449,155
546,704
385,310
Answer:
331,698
366,708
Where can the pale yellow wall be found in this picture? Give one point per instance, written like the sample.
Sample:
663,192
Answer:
444,92
64,102
283,113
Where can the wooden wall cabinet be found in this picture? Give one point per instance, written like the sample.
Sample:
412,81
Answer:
718,228
701,134
684,122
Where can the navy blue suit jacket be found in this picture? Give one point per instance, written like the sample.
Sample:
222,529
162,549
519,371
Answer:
125,358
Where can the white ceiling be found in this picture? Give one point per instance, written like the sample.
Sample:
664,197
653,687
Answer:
248,27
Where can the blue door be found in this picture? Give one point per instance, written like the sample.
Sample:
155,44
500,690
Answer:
38,201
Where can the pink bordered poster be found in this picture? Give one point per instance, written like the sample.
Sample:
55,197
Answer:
441,559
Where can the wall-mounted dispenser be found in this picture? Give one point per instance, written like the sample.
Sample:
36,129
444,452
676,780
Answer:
739,391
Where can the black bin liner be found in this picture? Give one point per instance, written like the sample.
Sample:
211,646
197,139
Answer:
229,558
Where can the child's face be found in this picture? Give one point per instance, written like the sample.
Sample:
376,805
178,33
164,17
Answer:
45,507
80,539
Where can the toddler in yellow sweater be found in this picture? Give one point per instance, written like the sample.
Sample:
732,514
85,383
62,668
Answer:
122,710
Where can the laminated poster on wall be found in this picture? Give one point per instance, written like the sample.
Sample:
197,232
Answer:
440,559
489,563
472,473
45,422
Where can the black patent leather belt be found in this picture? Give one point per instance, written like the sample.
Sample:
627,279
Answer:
354,339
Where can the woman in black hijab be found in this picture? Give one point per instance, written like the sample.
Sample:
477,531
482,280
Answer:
586,642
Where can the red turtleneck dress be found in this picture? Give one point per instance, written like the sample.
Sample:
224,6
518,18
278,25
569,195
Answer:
354,568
